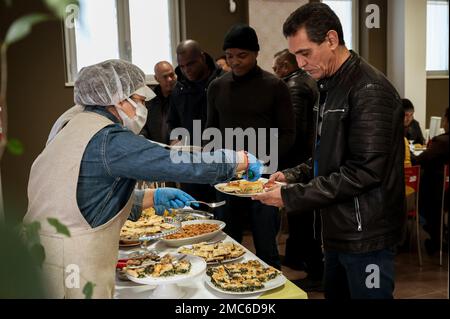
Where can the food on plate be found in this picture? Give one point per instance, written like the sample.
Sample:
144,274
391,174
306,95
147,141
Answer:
214,252
243,187
242,277
269,184
126,242
148,212
192,230
142,260
145,226
168,265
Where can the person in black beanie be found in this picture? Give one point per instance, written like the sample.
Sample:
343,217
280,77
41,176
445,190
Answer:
249,97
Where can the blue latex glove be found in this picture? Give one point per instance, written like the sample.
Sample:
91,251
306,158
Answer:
167,198
255,168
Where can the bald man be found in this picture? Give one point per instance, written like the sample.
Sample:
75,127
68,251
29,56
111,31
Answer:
196,70
156,128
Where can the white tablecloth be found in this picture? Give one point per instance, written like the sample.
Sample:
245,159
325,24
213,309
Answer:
194,288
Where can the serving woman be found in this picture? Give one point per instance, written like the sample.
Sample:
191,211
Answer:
86,175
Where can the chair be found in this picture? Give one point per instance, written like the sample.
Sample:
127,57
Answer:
444,189
412,181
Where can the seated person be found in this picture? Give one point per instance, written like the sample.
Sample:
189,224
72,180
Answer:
412,127
432,162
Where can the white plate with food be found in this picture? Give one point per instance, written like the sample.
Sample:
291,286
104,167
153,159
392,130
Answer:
194,231
214,253
244,278
186,214
148,228
244,188
171,268
129,243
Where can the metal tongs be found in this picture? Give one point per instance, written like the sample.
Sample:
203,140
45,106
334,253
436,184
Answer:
212,205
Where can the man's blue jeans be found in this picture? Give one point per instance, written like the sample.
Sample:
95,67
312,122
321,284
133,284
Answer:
359,275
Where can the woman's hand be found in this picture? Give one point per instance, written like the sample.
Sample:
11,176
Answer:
167,198
254,168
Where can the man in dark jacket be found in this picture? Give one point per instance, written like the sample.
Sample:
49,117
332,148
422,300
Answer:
156,128
304,95
188,103
250,98
303,250
432,162
195,71
355,179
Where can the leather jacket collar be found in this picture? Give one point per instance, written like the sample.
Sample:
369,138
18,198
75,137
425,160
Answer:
330,82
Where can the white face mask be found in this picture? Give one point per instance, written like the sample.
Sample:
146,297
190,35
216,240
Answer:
136,123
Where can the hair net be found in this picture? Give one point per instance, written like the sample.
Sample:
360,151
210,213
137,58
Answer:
108,83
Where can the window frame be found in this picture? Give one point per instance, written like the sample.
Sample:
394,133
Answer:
124,39
355,25
435,74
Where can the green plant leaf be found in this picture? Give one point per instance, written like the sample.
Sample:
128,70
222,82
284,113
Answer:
88,290
31,232
60,228
58,7
14,146
21,27
38,252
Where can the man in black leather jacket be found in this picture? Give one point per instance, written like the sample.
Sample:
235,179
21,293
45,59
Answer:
303,249
355,178
304,95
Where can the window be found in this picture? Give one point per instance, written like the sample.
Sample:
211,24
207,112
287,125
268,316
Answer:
437,36
346,10
140,31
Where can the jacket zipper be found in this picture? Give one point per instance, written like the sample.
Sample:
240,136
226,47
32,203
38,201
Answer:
314,225
313,162
334,111
321,231
358,214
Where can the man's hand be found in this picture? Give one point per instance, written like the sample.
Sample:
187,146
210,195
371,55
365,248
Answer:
277,177
272,197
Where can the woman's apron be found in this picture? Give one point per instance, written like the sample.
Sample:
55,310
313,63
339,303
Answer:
89,254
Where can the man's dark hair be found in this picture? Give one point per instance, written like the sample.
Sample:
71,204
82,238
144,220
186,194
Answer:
407,105
317,19
285,55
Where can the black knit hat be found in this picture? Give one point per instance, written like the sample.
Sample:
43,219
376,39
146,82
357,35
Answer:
241,36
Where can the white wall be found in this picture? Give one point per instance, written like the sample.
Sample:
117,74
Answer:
415,61
267,18
406,58
396,45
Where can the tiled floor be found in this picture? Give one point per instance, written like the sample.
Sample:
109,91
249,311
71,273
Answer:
412,282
